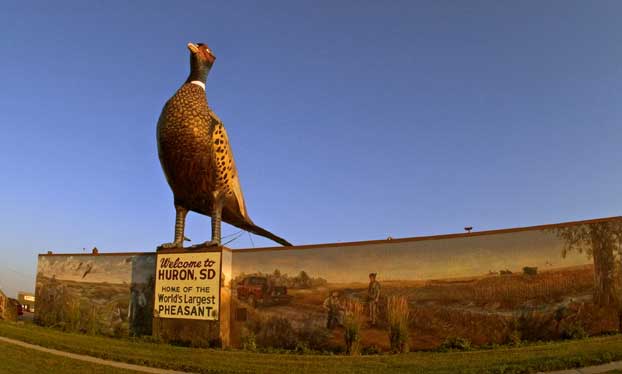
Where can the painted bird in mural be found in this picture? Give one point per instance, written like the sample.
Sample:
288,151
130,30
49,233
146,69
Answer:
196,157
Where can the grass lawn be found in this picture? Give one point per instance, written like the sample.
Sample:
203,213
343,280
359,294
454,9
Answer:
529,359
18,360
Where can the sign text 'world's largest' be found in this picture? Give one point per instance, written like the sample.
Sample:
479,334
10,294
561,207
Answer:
187,285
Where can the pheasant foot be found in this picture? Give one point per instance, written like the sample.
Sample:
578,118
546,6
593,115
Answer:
171,245
211,243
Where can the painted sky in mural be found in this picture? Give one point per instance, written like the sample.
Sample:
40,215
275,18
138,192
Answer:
110,269
417,259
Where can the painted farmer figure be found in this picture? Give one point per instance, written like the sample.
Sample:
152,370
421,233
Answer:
373,297
334,309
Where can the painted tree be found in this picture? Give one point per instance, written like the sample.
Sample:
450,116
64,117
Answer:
602,242
304,281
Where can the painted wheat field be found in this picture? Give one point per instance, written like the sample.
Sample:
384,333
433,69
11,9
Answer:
484,310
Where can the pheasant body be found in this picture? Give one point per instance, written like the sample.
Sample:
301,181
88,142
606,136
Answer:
198,163
196,158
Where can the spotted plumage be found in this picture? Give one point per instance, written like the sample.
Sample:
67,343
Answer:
196,157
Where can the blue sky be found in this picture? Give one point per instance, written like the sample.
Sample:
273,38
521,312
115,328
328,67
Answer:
349,120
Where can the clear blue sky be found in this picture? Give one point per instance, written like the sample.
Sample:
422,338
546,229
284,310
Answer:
349,120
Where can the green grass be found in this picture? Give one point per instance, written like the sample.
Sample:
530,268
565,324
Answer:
529,359
19,360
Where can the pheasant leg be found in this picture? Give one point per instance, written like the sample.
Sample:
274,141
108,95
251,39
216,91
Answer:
216,225
180,222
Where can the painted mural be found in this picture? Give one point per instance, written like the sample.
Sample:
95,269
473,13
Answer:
454,291
103,294
429,293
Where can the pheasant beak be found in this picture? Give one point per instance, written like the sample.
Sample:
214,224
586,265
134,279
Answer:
203,52
193,47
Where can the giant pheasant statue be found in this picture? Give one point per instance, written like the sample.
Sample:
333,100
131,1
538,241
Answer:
197,160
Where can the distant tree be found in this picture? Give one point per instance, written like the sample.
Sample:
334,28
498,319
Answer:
304,281
318,282
600,241
277,273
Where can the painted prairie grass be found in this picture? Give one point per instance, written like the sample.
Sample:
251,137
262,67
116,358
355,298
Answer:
352,323
90,307
441,323
397,316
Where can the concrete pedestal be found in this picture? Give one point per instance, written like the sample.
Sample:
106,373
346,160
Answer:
197,332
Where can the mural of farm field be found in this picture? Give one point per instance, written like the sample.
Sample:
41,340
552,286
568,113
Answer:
110,295
552,283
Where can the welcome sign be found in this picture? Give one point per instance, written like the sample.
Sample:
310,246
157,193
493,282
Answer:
188,285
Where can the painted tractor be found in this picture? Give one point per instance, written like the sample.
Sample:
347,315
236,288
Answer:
259,291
